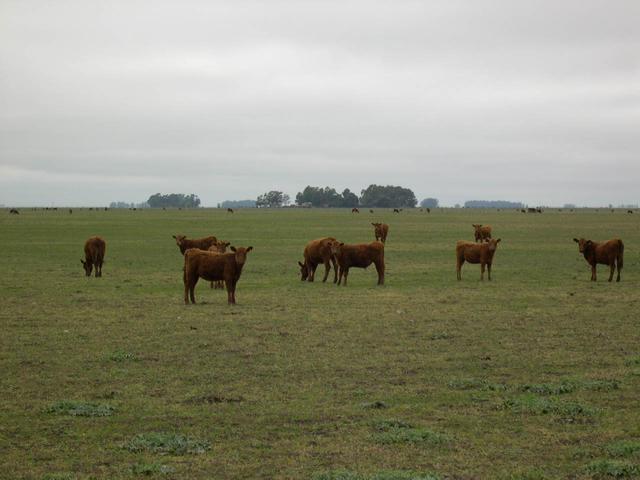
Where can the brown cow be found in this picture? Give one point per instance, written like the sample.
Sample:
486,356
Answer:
202,243
482,233
212,267
359,255
609,253
355,210
381,230
94,249
317,252
218,247
395,210
474,253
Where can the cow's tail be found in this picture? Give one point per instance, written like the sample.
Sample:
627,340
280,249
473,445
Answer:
620,255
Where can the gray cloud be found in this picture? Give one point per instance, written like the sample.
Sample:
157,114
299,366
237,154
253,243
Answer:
532,101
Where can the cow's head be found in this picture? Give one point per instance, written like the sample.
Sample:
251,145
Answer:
87,267
221,247
179,240
304,272
241,254
336,247
493,244
583,244
476,226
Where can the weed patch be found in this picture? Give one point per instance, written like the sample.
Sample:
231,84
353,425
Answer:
166,443
476,384
122,356
545,406
395,431
623,448
150,469
383,475
612,469
80,409
374,405
213,398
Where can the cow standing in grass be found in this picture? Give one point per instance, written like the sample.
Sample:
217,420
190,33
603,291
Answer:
359,255
212,267
218,247
94,249
476,253
185,243
317,252
609,253
482,232
380,230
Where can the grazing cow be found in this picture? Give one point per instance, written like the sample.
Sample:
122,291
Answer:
370,210
476,253
523,211
202,243
629,211
230,210
381,230
395,210
355,210
13,211
532,210
428,210
94,249
482,232
609,253
212,267
317,252
359,255
70,211
218,247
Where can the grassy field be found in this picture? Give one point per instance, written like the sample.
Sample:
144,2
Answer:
533,375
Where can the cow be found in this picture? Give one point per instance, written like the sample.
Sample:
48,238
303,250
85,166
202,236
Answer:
212,267
359,255
476,253
370,210
13,211
482,232
395,210
230,210
70,211
629,211
94,249
381,230
428,210
355,210
609,253
317,252
532,210
523,211
185,243
218,247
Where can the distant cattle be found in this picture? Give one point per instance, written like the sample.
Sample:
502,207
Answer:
523,210
213,267
94,249
428,210
476,253
360,256
532,210
185,243
70,211
381,230
395,210
218,247
318,252
355,210
609,253
482,232
370,210
629,211
230,210
13,211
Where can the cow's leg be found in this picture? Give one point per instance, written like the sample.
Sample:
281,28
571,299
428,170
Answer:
459,269
335,269
613,269
312,271
489,270
593,273
327,267
619,268
346,274
380,270
482,266
192,288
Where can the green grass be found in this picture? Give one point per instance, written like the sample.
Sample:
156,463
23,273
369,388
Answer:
290,383
80,409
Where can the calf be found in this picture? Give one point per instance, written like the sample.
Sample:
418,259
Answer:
317,252
381,230
476,253
359,255
212,267
609,253
94,249
482,232
185,243
218,247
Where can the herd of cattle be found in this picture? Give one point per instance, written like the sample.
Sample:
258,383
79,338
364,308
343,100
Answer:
207,258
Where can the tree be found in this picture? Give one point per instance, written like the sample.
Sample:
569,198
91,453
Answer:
349,199
326,197
273,199
175,200
387,197
237,204
429,203
492,204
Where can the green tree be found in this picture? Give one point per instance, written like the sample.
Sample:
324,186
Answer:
429,203
387,197
273,199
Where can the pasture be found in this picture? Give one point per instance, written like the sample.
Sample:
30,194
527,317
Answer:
533,375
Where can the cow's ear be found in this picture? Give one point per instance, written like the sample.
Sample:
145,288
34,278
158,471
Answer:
498,240
301,264
226,244
341,244
174,236
82,262
576,240
373,224
249,249
233,249
589,242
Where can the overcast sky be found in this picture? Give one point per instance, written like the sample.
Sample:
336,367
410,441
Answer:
533,101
